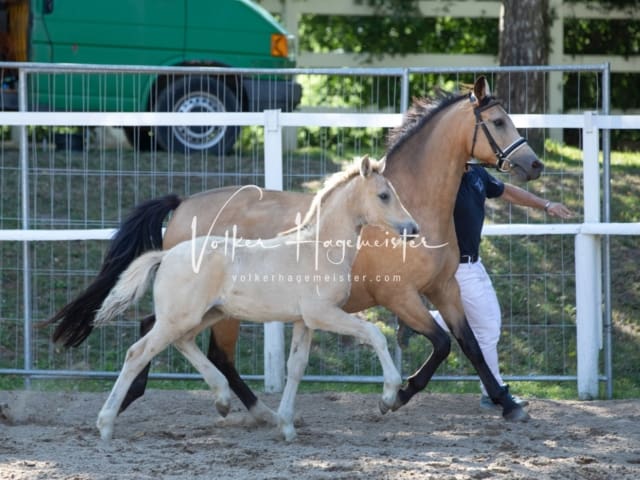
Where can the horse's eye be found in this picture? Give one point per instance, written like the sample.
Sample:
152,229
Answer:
498,122
384,196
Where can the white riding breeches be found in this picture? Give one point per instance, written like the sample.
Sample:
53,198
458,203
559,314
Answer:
482,310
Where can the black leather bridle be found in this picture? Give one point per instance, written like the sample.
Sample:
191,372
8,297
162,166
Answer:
503,163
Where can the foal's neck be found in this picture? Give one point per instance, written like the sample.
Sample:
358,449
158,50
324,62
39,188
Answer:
337,225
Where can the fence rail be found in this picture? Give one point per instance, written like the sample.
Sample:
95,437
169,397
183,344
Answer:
588,275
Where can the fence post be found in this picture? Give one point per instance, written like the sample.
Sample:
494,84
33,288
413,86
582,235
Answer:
589,271
26,249
273,331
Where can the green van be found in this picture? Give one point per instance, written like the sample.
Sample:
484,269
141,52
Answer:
222,33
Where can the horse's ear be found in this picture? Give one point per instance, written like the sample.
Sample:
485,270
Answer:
382,164
365,166
481,88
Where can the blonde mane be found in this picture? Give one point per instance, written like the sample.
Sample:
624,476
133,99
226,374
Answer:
330,185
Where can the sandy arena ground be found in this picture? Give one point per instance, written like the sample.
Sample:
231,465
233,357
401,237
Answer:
178,435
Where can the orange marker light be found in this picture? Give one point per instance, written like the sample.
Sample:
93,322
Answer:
279,45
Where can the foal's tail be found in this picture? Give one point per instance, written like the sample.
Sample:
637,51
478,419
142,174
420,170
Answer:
140,232
131,286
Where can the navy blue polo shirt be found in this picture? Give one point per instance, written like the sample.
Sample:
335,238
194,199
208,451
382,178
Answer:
468,215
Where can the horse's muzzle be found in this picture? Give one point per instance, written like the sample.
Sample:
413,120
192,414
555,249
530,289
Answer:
409,229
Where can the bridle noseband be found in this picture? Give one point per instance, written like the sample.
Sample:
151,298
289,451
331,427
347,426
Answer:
503,163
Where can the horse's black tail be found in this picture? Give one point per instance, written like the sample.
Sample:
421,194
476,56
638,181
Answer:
140,232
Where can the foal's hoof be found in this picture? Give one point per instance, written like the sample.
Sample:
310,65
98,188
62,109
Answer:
398,403
393,406
289,433
222,406
384,408
105,427
517,414
263,414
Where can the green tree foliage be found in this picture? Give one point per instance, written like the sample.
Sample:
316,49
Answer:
606,37
398,29
398,35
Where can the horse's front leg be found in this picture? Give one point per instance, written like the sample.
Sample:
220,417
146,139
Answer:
296,364
410,309
333,319
450,307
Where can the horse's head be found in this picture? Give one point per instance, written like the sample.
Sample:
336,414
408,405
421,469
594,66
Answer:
379,201
496,140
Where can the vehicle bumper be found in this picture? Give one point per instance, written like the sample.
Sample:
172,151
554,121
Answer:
8,100
269,94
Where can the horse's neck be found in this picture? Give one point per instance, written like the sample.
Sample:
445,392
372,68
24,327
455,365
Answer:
335,226
426,172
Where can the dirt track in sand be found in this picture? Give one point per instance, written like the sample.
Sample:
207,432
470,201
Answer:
177,434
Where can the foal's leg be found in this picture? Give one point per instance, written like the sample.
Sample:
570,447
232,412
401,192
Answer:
320,316
138,355
209,372
296,364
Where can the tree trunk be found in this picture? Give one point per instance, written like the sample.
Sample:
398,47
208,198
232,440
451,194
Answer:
524,40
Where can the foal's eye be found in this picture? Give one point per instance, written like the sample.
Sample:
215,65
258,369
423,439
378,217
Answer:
384,196
498,122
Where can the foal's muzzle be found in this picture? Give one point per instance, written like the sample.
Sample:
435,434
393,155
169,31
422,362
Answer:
409,229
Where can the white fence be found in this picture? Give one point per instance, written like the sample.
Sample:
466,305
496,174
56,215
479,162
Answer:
588,234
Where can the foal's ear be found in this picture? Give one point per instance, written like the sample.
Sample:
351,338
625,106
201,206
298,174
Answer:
382,164
365,166
481,88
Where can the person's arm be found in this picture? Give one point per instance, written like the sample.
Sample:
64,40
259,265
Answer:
521,197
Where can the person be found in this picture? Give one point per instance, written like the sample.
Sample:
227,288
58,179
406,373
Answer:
479,298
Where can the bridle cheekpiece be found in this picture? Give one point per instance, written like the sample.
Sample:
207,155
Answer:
503,163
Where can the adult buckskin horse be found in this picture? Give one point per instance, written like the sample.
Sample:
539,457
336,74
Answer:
427,156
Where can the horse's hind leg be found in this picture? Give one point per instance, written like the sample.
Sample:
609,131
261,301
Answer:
296,364
450,306
139,384
222,342
138,355
209,372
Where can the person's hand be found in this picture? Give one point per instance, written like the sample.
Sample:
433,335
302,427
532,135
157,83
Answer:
556,209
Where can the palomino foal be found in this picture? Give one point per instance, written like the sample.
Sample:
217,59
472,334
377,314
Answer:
302,277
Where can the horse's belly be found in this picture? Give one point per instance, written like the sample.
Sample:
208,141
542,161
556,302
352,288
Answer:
260,301
250,314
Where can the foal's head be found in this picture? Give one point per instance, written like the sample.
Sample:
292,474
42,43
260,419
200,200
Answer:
362,191
377,201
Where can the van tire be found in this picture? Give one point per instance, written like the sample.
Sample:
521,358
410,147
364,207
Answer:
197,94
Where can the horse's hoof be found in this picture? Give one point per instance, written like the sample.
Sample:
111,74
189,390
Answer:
105,427
518,414
287,430
289,433
384,408
106,433
222,406
398,403
263,414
